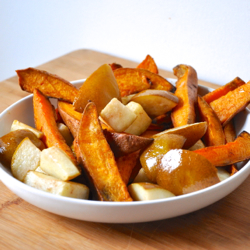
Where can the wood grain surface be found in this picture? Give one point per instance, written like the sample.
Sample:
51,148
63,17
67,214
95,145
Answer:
222,225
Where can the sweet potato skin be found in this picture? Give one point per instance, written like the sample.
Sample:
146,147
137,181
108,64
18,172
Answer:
45,121
227,106
124,144
215,134
223,90
49,84
230,153
186,91
98,159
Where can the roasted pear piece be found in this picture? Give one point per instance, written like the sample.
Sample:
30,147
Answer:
156,102
192,132
145,191
10,141
183,171
100,87
151,157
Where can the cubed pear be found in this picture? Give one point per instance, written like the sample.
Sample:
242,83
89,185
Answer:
19,125
141,177
56,163
64,130
117,115
126,99
156,102
198,145
25,158
222,174
142,121
55,186
145,191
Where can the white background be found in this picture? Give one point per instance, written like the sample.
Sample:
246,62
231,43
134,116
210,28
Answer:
212,36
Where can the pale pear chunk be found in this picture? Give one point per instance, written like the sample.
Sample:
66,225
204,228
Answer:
198,145
56,163
117,115
126,99
156,102
145,191
222,174
142,121
25,158
55,186
141,177
192,132
64,130
19,125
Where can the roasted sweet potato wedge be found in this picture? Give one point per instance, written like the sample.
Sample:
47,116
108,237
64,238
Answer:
186,90
227,106
69,116
98,159
45,121
49,84
123,143
126,164
214,135
230,153
149,64
223,90
131,81
229,131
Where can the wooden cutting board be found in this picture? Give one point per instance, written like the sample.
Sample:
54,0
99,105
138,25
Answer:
223,225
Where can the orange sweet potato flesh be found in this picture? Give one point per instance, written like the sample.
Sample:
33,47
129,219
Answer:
45,121
149,64
186,90
230,153
229,131
50,85
131,81
227,106
230,135
98,159
69,116
223,90
126,164
214,135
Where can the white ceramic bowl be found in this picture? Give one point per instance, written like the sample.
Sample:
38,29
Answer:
115,212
